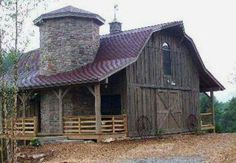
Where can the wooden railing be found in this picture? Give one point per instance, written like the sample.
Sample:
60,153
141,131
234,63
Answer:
207,121
21,126
110,124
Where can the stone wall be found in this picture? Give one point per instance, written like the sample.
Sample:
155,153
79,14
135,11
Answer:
79,101
49,112
67,43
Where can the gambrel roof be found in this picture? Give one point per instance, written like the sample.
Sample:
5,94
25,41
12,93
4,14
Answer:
116,52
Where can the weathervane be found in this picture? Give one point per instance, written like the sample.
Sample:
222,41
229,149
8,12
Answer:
115,12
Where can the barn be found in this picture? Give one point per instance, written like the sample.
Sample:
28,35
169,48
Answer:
84,85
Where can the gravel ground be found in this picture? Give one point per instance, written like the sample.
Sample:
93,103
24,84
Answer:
171,149
193,159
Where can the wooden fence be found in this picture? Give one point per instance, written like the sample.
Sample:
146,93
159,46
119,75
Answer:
21,126
207,121
110,124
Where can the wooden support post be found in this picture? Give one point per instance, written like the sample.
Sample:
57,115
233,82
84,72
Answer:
60,98
97,108
126,124
23,125
113,124
79,125
35,126
60,95
24,107
212,107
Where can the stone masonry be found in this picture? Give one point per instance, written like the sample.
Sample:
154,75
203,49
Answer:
49,112
67,43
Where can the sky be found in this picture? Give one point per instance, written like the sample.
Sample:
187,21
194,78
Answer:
211,24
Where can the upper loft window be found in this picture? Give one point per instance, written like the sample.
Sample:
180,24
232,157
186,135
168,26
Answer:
166,59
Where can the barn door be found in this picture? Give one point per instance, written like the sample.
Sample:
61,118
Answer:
175,109
169,111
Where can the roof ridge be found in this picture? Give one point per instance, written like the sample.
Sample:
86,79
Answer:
142,28
69,8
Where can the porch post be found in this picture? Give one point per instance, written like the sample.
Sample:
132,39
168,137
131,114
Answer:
60,95
97,107
212,107
60,110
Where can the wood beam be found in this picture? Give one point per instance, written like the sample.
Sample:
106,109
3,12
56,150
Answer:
98,107
206,94
60,94
60,98
161,88
212,107
91,90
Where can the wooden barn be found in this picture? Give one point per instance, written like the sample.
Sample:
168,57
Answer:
133,83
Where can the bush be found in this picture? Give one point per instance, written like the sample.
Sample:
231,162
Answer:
160,132
35,143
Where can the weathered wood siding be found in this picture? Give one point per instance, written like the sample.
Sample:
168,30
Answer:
149,92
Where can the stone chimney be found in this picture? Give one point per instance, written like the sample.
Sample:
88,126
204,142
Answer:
69,39
115,27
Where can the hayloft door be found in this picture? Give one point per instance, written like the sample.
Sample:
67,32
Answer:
169,112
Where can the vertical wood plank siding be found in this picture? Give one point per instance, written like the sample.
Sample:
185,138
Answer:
145,80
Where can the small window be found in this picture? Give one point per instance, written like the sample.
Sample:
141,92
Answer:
166,59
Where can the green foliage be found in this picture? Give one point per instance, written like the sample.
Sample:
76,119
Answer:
8,60
160,132
204,103
225,113
229,117
35,143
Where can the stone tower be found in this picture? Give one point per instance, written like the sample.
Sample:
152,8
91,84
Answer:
69,39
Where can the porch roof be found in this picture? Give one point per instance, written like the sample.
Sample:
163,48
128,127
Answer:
116,52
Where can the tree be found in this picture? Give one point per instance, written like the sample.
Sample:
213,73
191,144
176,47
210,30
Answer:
229,117
204,103
12,16
219,107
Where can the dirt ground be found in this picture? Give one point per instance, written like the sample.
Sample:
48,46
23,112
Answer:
201,148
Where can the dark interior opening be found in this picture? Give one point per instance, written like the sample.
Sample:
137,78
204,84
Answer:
111,104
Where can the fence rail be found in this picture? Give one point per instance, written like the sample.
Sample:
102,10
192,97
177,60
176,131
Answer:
21,126
110,124
207,121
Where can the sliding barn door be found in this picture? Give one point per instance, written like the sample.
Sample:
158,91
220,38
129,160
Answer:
169,111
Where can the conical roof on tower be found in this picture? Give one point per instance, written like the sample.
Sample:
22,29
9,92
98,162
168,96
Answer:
69,11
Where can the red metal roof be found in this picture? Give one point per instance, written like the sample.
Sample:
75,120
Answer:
116,52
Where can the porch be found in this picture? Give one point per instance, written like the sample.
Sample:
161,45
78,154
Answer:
207,119
74,127
84,111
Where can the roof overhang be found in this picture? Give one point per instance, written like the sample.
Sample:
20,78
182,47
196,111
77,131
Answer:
98,19
207,81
